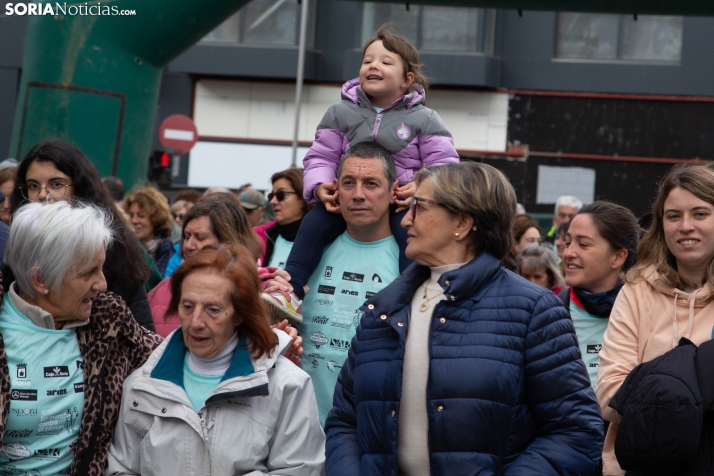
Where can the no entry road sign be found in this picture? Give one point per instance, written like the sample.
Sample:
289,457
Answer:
178,134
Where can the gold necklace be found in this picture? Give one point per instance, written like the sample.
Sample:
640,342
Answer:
425,305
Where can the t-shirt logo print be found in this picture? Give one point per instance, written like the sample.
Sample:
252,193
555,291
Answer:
404,132
319,339
21,370
56,371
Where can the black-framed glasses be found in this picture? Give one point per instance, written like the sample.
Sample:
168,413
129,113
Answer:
280,195
56,189
413,205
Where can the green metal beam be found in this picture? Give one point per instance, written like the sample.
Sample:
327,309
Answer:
94,80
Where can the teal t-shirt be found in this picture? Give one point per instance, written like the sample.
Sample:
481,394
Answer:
349,273
46,396
589,329
198,387
281,251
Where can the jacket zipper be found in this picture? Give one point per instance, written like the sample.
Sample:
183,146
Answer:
204,430
377,122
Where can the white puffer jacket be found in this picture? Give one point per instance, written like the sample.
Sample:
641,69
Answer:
261,419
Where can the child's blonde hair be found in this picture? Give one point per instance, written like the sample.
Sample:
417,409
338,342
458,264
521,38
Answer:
398,44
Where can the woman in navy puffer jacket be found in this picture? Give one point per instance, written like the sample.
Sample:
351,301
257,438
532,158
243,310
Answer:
460,367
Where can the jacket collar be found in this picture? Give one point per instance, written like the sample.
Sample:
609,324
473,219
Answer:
353,91
469,281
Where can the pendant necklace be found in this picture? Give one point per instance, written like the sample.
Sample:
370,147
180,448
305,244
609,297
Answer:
425,305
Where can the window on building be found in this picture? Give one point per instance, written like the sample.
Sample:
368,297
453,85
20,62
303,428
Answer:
434,28
619,37
270,22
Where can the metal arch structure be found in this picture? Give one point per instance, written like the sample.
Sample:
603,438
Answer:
94,79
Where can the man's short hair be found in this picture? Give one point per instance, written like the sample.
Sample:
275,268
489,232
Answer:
568,201
372,150
115,186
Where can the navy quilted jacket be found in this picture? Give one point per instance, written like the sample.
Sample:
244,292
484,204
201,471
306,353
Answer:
507,393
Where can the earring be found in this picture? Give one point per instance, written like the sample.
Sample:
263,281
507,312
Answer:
474,228
46,291
456,235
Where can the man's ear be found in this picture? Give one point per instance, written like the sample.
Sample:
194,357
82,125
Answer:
335,182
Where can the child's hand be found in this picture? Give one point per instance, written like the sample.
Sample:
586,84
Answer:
404,195
328,195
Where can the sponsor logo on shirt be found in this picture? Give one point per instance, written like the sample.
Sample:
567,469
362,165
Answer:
320,319
369,294
80,365
56,371
49,454
23,412
72,446
16,450
21,370
340,344
314,359
319,339
322,289
328,271
56,393
23,395
355,277
344,322
21,383
24,433
594,349
376,278
323,302
350,292
332,365
79,388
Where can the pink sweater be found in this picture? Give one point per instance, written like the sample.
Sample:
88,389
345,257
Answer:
643,326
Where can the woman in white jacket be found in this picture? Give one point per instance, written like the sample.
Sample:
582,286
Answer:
216,398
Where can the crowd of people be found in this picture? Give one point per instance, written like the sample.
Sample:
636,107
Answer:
388,309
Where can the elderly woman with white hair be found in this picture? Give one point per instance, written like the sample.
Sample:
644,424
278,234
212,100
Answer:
66,345
460,366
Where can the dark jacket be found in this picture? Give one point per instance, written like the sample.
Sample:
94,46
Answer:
112,345
507,393
667,426
163,254
134,297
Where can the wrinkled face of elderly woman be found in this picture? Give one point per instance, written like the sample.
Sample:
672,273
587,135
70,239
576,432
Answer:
74,300
206,312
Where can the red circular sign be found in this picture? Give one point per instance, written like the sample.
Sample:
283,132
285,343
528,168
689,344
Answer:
178,134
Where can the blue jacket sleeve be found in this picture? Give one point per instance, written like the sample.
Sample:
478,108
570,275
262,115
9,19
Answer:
342,448
561,399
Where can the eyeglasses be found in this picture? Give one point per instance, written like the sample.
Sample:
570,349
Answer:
55,189
280,195
178,216
413,205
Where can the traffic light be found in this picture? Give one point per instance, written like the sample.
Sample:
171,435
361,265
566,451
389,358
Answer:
159,163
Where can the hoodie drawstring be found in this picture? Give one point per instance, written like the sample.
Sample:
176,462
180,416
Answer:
690,323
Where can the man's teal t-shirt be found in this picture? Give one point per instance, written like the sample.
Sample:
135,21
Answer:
46,396
349,273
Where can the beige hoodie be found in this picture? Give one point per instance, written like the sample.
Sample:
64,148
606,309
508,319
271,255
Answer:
643,326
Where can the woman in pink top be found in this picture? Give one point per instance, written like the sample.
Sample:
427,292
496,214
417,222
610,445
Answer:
667,294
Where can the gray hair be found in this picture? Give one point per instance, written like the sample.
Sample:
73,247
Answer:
372,150
482,192
568,201
534,256
54,239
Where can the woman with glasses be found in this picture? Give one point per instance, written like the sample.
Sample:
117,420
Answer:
55,170
150,216
289,208
460,366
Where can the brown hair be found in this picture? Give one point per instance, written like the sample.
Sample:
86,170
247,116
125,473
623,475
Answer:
237,264
9,173
521,225
653,251
228,222
399,45
482,192
294,176
156,206
188,194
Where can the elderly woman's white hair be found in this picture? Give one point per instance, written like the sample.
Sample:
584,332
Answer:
54,239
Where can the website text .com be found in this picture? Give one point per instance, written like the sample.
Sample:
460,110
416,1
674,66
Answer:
65,9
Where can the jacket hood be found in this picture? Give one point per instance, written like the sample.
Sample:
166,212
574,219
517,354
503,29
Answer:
353,91
692,300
